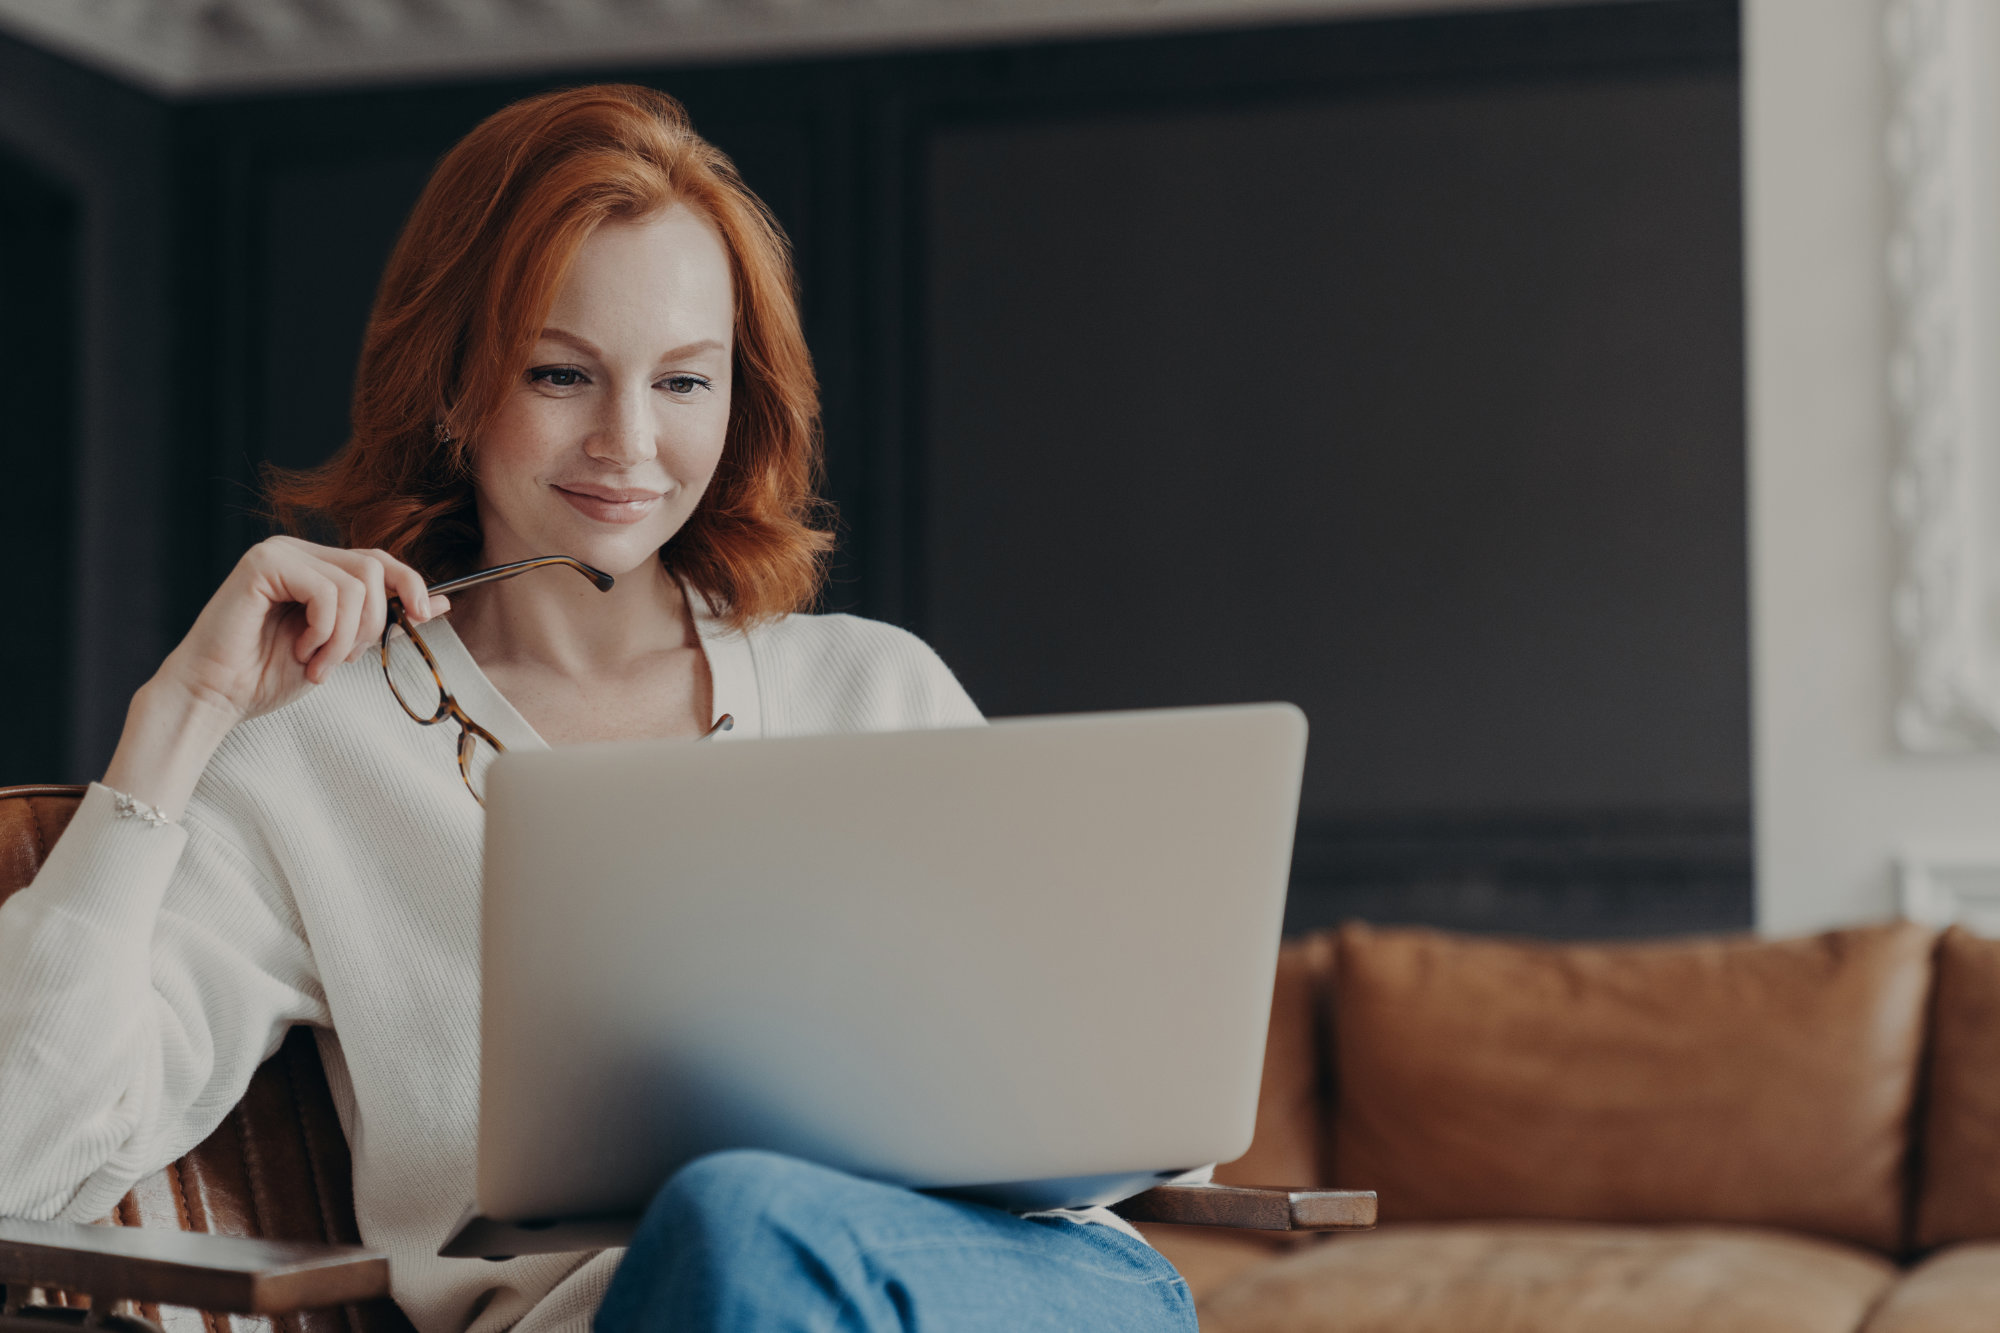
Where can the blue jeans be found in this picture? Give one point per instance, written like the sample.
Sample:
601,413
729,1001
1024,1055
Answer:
751,1241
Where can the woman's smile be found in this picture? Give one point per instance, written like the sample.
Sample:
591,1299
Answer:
609,504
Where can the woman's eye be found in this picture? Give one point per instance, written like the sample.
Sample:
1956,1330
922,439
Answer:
556,377
684,384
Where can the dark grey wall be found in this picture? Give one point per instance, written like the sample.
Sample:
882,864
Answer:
1423,411
87,164
39,232
1392,366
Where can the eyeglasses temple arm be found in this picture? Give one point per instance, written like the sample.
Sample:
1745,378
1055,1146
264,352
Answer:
498,572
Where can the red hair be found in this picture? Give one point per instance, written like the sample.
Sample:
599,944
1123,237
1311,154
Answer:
466,294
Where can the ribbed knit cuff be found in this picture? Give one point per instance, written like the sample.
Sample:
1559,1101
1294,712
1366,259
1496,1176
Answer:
108,870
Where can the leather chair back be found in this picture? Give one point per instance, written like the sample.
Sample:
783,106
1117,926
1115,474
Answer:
276,1168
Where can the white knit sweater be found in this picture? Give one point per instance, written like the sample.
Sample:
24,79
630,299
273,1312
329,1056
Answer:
327,871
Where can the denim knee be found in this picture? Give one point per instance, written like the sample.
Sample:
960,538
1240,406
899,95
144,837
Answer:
745,1199
746,1240
704,1238
732,1181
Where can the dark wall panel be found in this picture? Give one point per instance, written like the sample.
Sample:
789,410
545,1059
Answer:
1423,411
99,155
40,287
326,229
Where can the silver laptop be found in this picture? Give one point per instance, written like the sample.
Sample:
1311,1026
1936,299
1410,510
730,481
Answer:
1028,963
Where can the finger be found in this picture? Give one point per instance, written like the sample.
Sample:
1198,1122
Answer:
353,599
374,609
405,585
376,568
321,599
415,596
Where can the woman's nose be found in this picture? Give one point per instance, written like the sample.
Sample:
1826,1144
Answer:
625,435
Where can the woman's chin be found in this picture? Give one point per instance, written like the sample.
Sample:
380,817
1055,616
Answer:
619,553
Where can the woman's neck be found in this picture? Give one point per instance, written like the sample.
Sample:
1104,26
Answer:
552,620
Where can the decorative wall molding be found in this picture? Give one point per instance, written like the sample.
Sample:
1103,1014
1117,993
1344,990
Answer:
198,47
1951,888
1945,314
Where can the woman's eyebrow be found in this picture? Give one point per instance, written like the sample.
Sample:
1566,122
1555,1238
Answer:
590,349
568,339
682,353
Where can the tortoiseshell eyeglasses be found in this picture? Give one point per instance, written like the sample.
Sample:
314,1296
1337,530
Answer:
415,680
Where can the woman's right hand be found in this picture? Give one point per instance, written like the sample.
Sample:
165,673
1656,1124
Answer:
287,615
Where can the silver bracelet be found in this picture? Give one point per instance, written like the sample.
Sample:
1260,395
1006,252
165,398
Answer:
128,808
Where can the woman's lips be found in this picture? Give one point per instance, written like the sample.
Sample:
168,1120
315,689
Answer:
611,506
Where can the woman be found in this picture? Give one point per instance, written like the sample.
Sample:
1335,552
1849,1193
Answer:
586,345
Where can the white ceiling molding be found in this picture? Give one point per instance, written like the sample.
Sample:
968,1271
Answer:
192,48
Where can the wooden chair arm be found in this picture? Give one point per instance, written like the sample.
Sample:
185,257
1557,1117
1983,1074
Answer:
1253,1207
236,1274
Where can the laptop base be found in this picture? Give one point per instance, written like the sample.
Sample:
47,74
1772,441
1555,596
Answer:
479,1237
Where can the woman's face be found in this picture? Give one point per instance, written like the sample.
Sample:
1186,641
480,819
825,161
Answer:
605,446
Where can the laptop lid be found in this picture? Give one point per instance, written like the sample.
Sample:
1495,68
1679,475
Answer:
1030,961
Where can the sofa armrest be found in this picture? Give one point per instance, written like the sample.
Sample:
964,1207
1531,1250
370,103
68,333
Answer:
237,1274
1255,1207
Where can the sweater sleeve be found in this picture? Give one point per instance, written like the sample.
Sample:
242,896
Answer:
144,975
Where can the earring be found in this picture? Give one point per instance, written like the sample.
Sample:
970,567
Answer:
443,432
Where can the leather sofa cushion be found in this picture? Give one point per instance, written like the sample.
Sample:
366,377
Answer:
1954,1291
1285,1149
1528,1277
1729,1080
1960,1194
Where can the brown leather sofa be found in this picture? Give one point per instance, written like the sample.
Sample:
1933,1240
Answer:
1730,1135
